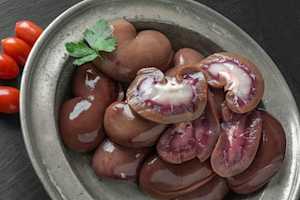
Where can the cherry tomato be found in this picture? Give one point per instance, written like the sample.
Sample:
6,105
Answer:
28,31
9,99
16,48
8,67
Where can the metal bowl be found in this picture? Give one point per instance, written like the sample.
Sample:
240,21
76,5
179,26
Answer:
46,83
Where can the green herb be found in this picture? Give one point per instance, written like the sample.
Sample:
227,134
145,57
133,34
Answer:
97,39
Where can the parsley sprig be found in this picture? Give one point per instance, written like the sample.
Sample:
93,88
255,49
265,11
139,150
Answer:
96,39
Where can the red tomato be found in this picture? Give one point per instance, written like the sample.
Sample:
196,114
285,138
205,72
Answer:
9,99
16,48
8,67
28,31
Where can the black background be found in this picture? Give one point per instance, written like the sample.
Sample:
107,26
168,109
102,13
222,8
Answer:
274,24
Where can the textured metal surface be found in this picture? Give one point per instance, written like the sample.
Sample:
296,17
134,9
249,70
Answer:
67,175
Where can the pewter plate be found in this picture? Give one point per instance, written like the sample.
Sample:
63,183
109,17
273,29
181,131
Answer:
46,83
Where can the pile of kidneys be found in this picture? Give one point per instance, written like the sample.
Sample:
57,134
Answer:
183,126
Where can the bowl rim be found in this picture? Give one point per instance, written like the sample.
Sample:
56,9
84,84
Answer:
48,185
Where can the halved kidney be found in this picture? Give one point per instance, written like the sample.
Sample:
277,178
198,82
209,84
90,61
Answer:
237,145
240,78
268,160
168,100
207,129
167,181
178,144
187,140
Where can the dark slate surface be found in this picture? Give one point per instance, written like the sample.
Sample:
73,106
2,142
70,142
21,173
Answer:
275,25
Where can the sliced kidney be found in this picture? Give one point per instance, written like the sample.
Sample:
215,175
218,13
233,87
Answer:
187,140
268,160
125,127
240,78
178,144
113,161
166,181
207,129
237,145
168,100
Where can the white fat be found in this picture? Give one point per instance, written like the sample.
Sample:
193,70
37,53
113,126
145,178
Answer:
170,93
80,107
108,146
91,83
91,97
138,155
123,175
128,112
88,137
152,161
231,133
181,60
199,75
237,79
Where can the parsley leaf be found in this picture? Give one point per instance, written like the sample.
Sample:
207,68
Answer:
85,59
100,38
78,49
96,39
